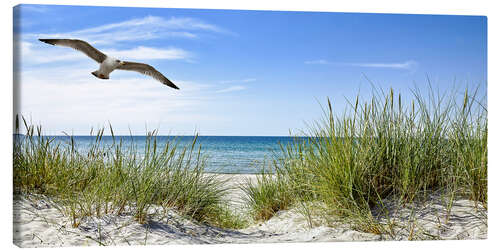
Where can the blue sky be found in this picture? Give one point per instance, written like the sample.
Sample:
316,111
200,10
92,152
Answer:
239,72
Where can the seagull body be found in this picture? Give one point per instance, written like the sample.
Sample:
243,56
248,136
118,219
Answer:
108,63
107,66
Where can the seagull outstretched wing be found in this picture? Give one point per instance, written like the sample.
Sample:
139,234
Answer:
148,70
79,45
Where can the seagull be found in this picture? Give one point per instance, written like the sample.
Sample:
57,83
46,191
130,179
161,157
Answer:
107,63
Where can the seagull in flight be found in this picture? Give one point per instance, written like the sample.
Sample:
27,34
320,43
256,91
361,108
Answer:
107,63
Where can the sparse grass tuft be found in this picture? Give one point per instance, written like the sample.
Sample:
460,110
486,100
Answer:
223,217
266,197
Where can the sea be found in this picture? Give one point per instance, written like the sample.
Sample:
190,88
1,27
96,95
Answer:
224,154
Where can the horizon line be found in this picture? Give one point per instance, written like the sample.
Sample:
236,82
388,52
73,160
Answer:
63,135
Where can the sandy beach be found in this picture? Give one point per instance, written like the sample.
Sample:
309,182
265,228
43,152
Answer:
153,125
39,223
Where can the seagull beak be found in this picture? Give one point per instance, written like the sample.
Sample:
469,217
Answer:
122,63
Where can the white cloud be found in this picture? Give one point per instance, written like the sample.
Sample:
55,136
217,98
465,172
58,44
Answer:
321,61
103,36
147,28
34,54
145,53
241,80
43,53
64,94
77,99
404,65
231,89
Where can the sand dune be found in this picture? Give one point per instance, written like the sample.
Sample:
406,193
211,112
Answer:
39,223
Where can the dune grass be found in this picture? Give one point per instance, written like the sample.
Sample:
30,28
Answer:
114,179
379,149
266,197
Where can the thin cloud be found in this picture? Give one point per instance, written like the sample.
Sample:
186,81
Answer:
40,53
239,81
321,61
103,36
30,53
404,65
146,28
231,89
144,53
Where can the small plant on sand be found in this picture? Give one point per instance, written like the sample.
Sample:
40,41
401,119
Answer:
267,196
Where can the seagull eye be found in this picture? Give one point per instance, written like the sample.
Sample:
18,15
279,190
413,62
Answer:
117,60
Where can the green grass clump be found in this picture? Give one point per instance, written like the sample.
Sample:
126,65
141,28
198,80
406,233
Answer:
113,179
383,148
224,217
266,197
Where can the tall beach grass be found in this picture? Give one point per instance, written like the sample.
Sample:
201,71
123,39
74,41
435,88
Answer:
379,149
114,179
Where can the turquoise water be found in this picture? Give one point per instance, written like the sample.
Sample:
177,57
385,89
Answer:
225,154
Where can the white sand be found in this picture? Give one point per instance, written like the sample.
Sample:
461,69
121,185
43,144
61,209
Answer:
38,223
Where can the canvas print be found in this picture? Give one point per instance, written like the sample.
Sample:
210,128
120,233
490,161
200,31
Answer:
147,126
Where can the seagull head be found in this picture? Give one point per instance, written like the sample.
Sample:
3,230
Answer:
119,62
